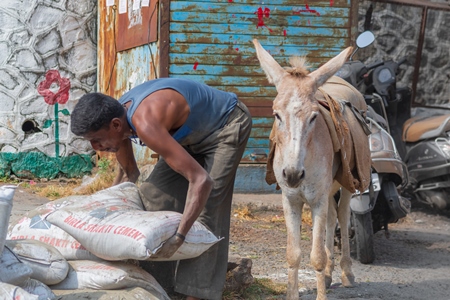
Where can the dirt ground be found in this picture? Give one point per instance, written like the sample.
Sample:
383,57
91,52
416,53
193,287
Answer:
414,263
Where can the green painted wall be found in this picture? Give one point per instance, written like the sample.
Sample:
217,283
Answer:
39,165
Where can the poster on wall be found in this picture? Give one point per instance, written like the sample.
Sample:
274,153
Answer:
138,25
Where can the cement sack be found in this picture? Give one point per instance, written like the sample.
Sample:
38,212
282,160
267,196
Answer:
12,292
104,275
48,265
118,230
34,226
39,289
12,270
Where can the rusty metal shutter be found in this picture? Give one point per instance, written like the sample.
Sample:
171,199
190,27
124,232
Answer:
210,42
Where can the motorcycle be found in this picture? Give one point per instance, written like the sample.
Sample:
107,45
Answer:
382,203
423,141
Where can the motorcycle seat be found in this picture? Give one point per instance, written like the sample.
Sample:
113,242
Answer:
424,127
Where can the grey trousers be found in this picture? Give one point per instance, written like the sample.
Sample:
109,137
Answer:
204,276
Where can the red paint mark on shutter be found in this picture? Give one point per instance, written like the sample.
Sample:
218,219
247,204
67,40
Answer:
307,10
331,2
284,32
261,15
195,65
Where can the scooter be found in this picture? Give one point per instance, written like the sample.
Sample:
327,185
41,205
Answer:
423,141
382,203
428,159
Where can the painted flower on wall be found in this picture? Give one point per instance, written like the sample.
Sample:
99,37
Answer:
62,95
52,80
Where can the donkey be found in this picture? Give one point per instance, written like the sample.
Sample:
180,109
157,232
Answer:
306,166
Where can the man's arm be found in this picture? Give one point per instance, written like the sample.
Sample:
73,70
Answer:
127,162
200,183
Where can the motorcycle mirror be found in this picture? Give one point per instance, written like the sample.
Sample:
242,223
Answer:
365,39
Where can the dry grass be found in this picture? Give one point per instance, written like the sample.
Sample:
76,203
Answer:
307,216
54,191
104,177
261,288
244,212
102,182
247,212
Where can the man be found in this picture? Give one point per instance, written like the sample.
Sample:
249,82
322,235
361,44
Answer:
200,134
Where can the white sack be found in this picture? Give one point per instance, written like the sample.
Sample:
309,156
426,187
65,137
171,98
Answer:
104,275
47,263
39,289
33,226
12,292
12,270
113,228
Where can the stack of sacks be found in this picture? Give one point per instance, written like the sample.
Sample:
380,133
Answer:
33,226
105,275
46,262
19,278
92,232
16,277
9,291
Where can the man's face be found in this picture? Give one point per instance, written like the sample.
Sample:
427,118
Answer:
106,139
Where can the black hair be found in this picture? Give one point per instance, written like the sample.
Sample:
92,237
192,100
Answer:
93,112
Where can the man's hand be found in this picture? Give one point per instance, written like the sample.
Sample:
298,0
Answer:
119,176
128,169
170,247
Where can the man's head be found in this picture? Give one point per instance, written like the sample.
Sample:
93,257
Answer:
93,112
98,118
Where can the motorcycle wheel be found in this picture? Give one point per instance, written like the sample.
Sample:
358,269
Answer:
435,198
363,237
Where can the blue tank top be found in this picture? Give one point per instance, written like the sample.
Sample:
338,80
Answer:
209,107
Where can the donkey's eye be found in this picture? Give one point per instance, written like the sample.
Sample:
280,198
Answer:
277,116
313,118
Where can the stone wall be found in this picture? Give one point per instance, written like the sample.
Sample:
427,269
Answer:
37,36
397,30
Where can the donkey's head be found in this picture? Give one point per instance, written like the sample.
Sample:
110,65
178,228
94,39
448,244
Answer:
295,110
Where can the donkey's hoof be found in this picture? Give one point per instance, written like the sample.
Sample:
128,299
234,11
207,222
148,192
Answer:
348,281
328,281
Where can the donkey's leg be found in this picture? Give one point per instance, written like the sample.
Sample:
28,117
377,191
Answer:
329,243
292,207
347,277
318,254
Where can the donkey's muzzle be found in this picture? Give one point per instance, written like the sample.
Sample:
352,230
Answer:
293,176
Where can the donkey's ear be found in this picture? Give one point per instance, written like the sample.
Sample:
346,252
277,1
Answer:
273,70
331,67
